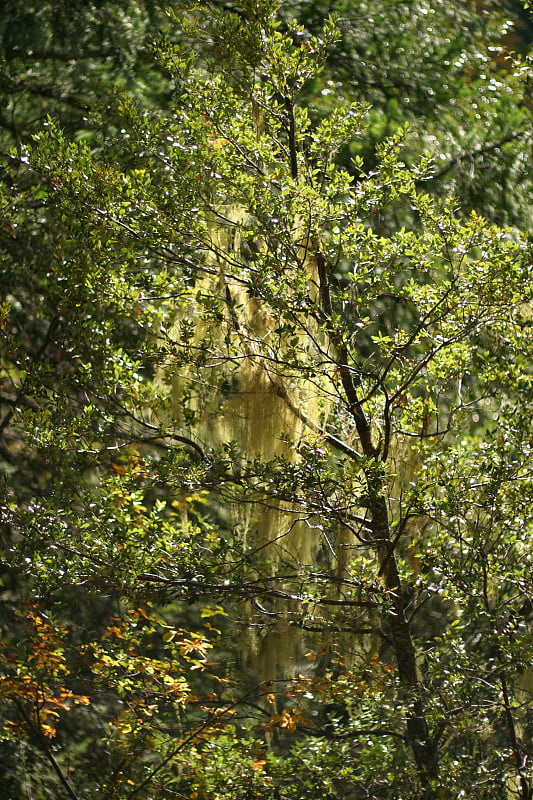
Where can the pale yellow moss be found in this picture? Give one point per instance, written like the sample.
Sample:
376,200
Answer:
266,415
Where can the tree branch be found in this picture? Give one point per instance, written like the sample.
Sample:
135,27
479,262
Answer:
472,155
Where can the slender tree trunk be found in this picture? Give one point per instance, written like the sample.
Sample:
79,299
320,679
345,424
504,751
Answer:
423,747
418,735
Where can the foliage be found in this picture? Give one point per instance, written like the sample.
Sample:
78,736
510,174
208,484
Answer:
59,57
236,317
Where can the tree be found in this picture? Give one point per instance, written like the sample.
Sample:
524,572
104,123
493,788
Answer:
447,70
60,58
284,414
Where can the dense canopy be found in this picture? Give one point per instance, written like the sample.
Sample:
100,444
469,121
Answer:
266,400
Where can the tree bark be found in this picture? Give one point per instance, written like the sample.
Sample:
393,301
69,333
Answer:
418,735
